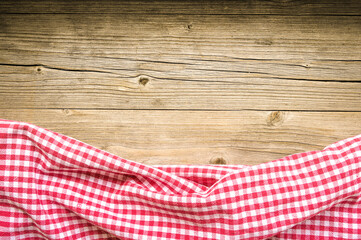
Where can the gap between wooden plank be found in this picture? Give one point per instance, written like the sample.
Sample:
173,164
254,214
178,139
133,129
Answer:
191,110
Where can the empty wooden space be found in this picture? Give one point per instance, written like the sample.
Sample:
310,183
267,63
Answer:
185,82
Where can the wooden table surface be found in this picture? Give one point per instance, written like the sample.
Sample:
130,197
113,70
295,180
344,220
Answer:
185,82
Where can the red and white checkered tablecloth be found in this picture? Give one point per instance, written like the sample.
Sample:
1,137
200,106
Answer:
55,187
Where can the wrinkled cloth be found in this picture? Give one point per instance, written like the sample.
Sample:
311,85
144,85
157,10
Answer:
56,187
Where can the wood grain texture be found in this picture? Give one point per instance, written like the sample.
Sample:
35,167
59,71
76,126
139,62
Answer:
43,87
222,62
188,7
170,82
197,137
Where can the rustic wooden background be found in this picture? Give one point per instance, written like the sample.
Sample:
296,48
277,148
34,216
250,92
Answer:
185,82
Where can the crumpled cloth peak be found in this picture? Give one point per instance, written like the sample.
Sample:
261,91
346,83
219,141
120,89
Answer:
56,187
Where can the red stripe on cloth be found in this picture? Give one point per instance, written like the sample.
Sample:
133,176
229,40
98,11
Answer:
55,187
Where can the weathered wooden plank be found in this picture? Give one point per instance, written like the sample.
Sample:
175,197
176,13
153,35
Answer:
58,38
42,87
196,137
299,7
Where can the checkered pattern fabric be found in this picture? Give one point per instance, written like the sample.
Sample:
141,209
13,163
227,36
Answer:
55,187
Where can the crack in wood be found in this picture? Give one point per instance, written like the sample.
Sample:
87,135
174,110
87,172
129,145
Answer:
55,68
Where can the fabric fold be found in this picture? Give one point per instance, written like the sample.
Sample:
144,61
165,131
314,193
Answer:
56,187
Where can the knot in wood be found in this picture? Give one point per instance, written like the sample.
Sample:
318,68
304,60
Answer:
218,160
66,111
275,118
143,80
